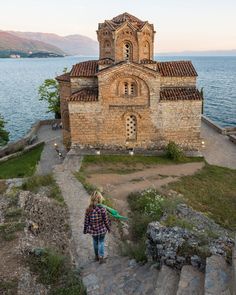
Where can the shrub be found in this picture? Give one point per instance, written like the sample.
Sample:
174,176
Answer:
174,152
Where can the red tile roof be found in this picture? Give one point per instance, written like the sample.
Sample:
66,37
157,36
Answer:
65,77
180,94
85,69
85,94
176,69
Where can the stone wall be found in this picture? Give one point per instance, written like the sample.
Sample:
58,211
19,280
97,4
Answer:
178,82
104,123
65,93
82,82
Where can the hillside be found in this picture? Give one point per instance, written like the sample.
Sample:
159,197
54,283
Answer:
12,43
71,45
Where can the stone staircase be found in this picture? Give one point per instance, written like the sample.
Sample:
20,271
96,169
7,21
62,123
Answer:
122,276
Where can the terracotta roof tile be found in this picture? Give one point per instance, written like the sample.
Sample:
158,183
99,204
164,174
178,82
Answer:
64,77
176,69
85,94
180,94
85,69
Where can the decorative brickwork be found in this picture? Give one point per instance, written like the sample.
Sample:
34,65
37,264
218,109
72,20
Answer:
126,99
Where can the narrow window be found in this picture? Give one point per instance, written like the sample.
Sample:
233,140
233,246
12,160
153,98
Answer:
126,88
132,89
131,127
127,51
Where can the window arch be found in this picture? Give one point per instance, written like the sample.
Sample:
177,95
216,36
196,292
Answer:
127,51
146,49
131,127
130,89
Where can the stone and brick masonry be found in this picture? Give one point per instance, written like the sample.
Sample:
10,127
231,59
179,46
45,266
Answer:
126,99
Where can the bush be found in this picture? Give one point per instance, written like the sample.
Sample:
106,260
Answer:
174,152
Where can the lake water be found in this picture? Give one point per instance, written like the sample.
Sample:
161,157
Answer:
20,79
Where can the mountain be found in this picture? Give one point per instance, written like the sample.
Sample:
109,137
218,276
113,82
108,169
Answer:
200,53
12,43
71,45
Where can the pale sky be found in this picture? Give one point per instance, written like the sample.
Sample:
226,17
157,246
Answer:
180,24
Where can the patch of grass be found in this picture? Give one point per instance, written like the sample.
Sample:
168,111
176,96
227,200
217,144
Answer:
3,187
35,182
53,269
22,166
136,159
135,250
13,214
211,190
8,287
8,230
172,220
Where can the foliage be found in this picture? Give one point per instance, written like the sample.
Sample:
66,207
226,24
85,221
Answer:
49,92
211,190
136,159
21,166
34,183
135,250
172,220
4,135
53,269
8,287
174,152
8,230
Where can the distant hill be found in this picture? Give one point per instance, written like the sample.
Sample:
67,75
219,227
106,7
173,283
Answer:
13,44
200,53
71,45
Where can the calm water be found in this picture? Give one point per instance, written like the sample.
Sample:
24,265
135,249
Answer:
20,79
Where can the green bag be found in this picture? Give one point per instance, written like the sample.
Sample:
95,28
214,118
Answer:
113,212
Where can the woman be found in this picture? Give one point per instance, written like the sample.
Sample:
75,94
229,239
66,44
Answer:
97,224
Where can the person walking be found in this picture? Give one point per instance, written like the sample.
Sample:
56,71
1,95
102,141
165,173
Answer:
97,223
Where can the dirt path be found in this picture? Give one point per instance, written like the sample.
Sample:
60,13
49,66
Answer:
120,186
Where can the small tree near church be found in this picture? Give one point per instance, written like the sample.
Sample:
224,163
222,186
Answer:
4,135
49,91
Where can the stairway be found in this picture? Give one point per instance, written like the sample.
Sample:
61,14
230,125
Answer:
122,276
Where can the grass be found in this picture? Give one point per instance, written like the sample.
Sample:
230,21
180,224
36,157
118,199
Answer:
53,269
3,187
136,159
22,166
34,183
8,230
212,190
8,287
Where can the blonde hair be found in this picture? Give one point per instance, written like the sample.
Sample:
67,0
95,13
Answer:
95,198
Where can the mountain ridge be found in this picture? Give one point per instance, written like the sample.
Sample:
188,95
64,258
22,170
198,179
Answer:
10,42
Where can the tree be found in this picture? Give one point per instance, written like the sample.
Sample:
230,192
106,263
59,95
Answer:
4,135
49,91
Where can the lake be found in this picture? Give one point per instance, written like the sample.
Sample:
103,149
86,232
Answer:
21,78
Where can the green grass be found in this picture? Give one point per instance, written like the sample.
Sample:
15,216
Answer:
34,183
8,287
21,166
53,269
136,159
8,230
211,190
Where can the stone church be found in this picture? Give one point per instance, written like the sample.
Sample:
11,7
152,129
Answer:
126,99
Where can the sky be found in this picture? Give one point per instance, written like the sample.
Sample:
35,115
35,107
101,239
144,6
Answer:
180,24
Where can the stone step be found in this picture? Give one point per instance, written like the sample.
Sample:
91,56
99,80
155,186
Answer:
191,281
119,276
167,281
217,276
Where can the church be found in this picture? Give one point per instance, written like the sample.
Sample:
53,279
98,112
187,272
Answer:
126,99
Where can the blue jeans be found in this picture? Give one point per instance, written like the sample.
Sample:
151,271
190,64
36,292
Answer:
98,245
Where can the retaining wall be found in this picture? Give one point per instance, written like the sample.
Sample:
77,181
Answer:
27,140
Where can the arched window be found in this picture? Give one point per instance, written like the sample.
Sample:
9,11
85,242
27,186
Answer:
131,127
146,50
127,51
130,89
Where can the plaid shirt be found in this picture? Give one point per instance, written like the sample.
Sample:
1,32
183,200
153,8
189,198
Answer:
96,221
